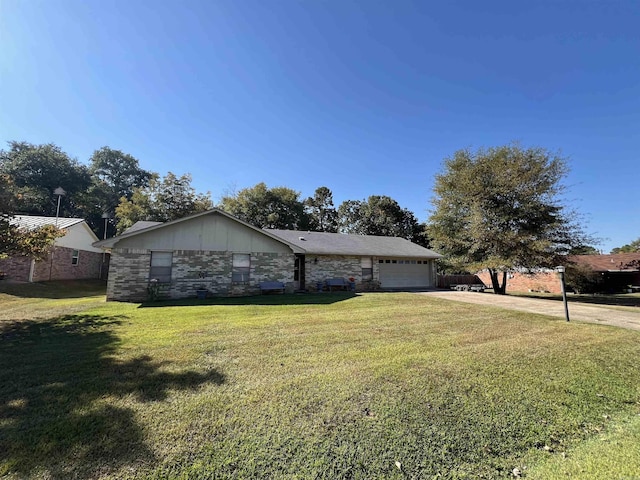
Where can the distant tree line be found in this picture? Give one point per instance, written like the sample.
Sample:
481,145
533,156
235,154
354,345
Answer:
632,247
112,192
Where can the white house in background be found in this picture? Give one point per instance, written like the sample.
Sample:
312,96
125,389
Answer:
72,258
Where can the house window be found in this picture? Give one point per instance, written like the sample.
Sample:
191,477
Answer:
367,268
161,266
75,257
241,268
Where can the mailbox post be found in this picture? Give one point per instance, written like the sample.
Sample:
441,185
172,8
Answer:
560,269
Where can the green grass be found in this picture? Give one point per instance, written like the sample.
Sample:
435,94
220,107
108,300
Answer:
28,301
316,386
626,301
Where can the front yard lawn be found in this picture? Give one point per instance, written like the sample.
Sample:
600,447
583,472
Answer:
318,386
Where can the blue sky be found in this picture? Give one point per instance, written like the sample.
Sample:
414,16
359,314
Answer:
364,97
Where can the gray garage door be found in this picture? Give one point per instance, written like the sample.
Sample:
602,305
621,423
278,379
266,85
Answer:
405,274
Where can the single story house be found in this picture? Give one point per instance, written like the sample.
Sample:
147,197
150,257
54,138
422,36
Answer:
73,257
215,251
615,272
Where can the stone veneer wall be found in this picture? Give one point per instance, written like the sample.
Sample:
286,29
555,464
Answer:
335,266
191,270
61,268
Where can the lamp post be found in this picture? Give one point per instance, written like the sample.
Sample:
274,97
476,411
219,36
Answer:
105,217
560,269
61,193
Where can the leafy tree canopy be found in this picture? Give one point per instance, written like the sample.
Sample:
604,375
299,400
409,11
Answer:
36,171
166,199
628,248
118,174
500,208
263,207
323,216
380,215
114,175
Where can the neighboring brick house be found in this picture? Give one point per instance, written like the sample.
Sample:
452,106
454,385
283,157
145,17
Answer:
226,256
616,271
541,280
72,258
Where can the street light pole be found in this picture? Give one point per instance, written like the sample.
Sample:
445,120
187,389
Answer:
60,192
561,270
106,217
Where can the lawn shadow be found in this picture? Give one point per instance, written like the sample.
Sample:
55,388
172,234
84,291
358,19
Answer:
58,380
270,299
54,289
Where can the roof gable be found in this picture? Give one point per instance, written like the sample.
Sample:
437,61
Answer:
77,233
143,228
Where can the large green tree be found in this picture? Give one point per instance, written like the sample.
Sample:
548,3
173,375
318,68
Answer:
380,215
263,207
501,209
114,175
166,199
323,216
36,171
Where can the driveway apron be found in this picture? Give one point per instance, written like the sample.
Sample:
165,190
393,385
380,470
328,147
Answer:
601,314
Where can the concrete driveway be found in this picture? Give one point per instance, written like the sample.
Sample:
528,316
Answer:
601,314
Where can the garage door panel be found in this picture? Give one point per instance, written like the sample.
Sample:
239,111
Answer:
398,275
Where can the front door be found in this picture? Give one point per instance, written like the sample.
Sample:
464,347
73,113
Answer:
298,272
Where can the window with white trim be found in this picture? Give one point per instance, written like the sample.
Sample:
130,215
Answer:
366,263
241,268
160,268
75,257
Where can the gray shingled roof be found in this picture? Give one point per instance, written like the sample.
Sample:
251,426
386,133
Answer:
322,243
140,225
32,222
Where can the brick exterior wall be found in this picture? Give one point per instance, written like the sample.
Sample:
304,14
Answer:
337,266
129,274
57,266
524,282
16,268
331,266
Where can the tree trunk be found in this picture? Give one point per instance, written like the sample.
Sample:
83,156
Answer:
495,283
